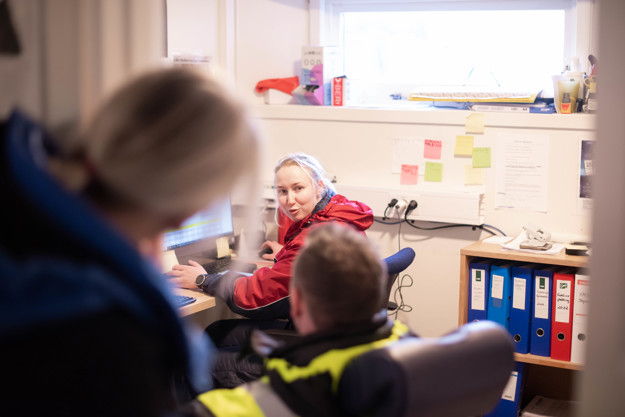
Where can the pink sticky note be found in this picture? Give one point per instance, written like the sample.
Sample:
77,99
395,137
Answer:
432,149
409,174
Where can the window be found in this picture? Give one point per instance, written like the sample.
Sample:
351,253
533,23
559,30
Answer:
393,47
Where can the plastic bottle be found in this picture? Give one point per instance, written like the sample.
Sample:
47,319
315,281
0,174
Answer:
565,105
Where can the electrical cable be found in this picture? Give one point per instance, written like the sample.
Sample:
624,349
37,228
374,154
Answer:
389,223
493,227
388,206
401,305
447,226
406,280
384,215
399,236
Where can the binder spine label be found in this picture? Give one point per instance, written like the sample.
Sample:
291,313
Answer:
497,291
541,298
563,301
518,295
582,297
510,390
478,290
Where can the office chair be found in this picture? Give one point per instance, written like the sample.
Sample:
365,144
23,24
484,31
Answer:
395,264
460,374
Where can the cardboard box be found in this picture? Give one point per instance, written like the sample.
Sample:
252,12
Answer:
320,64
273,96
547,407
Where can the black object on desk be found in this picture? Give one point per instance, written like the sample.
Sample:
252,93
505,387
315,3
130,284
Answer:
264,251
222,264
577,248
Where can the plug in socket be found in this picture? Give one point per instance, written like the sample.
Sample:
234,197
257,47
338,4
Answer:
401,206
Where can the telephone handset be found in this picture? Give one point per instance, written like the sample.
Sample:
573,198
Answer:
537,238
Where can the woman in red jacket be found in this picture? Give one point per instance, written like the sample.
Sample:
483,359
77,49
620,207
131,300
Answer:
306,197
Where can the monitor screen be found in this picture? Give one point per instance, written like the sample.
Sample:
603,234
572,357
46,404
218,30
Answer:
201,229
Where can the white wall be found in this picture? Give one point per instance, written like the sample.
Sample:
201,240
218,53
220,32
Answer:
360,153
268,42
192,28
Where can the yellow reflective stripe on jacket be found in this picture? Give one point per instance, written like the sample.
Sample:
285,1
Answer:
236,402
332,361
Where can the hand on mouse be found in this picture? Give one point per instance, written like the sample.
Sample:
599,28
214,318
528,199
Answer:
269,249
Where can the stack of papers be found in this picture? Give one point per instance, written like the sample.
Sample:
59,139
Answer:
472,93
508,243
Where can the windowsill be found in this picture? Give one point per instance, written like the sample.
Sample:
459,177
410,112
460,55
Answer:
425,116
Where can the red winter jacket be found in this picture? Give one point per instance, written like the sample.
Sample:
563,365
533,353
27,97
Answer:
264,295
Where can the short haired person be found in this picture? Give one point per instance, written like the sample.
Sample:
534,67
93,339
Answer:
337,294
307,198
88,324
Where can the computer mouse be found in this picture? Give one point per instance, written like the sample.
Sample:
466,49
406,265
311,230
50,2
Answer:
264,251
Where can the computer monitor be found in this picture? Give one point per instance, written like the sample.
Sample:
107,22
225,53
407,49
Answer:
197,236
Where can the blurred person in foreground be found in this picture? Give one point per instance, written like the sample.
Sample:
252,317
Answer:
88,326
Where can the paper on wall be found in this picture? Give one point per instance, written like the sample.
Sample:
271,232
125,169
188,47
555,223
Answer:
406,151
522,171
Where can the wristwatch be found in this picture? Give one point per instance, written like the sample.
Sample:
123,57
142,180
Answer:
200,280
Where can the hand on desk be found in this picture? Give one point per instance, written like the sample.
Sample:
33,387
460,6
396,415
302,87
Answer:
269,249
184,276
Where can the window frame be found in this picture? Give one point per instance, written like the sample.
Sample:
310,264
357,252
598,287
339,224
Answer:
579,37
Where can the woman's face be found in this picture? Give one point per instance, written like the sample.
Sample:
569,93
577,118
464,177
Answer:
297,195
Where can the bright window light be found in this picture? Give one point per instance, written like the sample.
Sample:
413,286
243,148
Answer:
517,50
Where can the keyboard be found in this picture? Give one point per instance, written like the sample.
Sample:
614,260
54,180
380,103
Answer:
183,300
224,264
218,265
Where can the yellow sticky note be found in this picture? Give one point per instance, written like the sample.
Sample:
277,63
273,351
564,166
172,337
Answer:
223,248
434,171
168,260
464,145
481,157
475,123
473,176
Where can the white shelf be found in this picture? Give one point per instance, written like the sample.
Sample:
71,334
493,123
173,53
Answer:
429,116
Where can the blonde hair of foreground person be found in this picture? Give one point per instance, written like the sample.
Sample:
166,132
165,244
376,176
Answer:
169,143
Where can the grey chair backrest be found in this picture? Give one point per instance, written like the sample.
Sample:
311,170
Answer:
460,374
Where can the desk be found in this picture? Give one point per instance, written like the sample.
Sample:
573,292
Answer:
203,301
